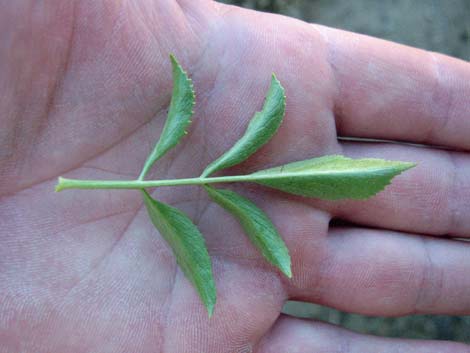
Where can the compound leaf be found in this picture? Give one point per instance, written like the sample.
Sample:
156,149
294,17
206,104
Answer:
258,227
332,177
179,115
188,247
261,128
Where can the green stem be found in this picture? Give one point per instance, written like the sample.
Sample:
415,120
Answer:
141,184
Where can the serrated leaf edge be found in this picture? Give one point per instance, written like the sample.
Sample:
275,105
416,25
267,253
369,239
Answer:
287,271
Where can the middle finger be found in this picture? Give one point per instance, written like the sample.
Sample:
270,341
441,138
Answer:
432,198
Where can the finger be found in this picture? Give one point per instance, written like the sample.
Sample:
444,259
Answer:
376,272
432,198
387,90
291,335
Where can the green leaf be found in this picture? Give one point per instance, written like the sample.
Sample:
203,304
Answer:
188,247
179,115
261,128
259,228
332,177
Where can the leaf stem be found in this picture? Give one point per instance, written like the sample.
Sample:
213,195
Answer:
64,183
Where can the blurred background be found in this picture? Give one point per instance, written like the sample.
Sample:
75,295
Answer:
441,26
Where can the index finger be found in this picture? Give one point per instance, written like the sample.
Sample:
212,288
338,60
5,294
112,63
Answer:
391,91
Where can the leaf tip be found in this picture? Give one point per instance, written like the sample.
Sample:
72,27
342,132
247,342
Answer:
274,79
276,83
210,309
397,169
177,67
407,165
401,167
287,271
209,299
173,59
285,266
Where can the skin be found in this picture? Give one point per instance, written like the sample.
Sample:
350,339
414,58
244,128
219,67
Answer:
84,91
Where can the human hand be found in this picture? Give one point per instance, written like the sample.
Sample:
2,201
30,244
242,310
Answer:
84,92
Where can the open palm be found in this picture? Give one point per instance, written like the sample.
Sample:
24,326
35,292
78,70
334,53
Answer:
84,91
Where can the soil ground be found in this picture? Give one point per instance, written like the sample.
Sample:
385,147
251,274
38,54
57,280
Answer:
441,26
